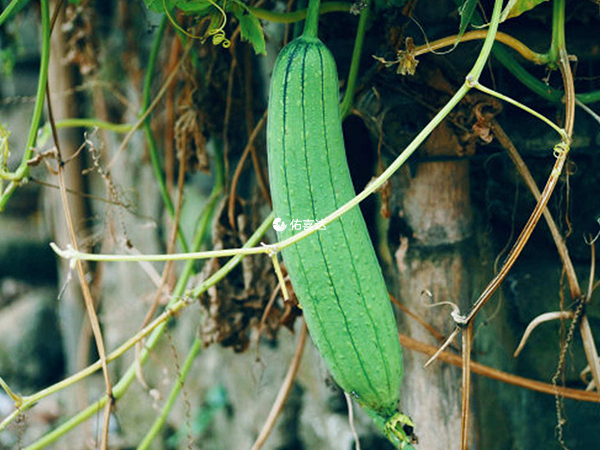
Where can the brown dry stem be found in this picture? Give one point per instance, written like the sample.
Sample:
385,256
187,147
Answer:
495,374
240,166
85,288
467,337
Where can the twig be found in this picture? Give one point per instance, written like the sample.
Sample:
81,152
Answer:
23,169
435,333
279,274
351,421
523,237
523,170
588,296
546,317
506,39
466,386
17,400
588,110
177,386
441,349
284,391
268,308
560,421
495,374
240,166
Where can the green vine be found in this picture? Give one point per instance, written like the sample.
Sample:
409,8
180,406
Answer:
22,171
12,7
355,62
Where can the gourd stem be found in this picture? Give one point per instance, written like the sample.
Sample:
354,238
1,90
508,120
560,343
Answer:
312,19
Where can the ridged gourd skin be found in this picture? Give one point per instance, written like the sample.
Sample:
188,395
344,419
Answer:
334,272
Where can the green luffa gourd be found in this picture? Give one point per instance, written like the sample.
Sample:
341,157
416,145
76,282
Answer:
334,271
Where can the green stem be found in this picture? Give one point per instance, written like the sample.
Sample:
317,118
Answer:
589,97
525,108
23,169
152,149
355,63
535,85
520,73
160,420
10,9
14,397
311,24
558,31
296,16
46,131
94,123
487,44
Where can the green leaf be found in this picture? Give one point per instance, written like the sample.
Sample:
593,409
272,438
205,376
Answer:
515,8
251,30
199,7
466,11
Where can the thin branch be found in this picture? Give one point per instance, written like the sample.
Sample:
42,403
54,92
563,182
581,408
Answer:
467,337
85,288
240,166
351,421
435,333
17,400
523,237
559,241
23,170
227,118
515,44
263,182
441,349
546,317
588,296
495,374
177,386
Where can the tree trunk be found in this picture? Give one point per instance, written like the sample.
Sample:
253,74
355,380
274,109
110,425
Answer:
435,262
